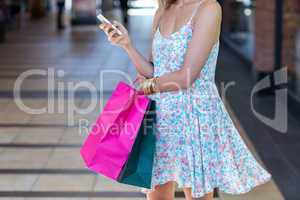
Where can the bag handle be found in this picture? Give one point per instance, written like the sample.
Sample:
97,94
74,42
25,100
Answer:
140,92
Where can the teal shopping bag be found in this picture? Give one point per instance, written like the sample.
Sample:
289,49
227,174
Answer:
138,168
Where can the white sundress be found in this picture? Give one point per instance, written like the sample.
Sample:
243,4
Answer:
198,145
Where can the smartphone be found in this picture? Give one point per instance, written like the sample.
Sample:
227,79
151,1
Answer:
104,20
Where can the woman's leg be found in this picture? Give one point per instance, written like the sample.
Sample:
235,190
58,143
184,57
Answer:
188,195
163,192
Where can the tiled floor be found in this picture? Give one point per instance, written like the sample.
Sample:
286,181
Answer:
39,154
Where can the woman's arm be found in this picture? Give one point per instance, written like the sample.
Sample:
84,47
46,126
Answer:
143,66
205,34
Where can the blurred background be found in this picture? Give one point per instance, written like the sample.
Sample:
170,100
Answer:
257,74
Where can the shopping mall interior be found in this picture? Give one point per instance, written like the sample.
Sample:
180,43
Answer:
49,47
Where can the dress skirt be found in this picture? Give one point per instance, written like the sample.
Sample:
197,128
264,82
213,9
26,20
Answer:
198,145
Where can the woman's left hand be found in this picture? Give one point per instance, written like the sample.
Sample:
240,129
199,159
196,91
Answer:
122,40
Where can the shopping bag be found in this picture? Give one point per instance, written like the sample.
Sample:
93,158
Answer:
138,168
110,140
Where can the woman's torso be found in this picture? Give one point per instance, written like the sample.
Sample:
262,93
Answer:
169,54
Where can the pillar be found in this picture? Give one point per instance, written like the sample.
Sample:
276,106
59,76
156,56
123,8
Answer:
264,53
291,27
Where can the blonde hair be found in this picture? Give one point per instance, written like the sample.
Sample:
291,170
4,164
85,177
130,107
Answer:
165,3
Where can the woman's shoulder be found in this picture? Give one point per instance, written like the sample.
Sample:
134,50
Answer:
209,9
212,5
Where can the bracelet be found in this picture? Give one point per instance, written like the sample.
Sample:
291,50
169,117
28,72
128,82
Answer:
146,87
154,84
149,85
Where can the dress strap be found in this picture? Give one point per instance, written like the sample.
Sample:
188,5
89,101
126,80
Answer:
195,10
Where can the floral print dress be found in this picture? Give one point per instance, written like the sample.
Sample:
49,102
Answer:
198,145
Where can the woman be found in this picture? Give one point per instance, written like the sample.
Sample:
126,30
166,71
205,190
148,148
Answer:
197,145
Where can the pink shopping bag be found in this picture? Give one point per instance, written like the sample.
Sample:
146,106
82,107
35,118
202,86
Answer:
109,143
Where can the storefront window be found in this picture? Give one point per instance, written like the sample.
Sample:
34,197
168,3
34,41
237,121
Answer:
298,54
294,78
240,26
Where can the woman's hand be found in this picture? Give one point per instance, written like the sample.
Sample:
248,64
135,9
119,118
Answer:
139,79
138,82
146,85
114,38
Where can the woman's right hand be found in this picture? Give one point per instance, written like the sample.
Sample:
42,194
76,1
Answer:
138,82
122,40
